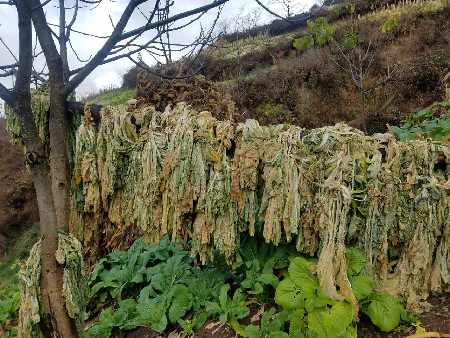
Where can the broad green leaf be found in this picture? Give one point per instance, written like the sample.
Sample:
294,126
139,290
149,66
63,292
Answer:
300,273
103,285
252,331
126,310
385,311
99,331
181,302
213,308
268,279
199,319
223,295
103,328
362,286
297,324
331,322
288,295
152,313
319,300
238,308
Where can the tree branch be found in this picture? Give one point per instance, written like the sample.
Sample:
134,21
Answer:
46,41
103,52
7,95
214,4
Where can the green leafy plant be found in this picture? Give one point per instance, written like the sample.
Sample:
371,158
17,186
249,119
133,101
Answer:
335,321
155,280
303,43
121,271
256,262
350,40
311,309
319,316
389,25
320,33
432,122
385,311
208,283
109,319
229,309
16,250
9,307
271,326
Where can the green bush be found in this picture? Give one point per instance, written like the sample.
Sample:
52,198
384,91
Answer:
303,43
269,109
320,33
9,280
150,285
389,25
350,40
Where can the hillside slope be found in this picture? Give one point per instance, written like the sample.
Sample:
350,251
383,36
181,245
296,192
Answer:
407,47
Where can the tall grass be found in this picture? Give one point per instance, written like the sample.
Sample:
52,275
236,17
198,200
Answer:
110,96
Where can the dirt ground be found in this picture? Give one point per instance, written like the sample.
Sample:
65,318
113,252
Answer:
18,206
210,330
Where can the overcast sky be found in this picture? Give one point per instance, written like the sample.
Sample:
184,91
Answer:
97,21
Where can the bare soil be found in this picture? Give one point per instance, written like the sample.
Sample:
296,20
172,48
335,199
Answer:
18,207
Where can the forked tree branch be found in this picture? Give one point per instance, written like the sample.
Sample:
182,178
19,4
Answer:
180,16
44,34
104,51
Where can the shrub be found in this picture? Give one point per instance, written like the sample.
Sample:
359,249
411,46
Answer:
303,43
389,25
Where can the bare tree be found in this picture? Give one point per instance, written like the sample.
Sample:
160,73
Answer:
357,61
49,163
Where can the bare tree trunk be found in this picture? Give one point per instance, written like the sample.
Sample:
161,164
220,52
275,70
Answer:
59,163
55,322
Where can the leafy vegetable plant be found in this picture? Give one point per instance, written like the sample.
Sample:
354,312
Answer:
313,314
155,281
9,307
257,262
121,271
312,311
432,122
272,326
229,309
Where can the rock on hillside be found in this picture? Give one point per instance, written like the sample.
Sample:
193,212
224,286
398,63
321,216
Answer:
18,207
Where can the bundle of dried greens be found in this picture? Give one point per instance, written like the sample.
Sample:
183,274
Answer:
69,255
204,181
40,104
